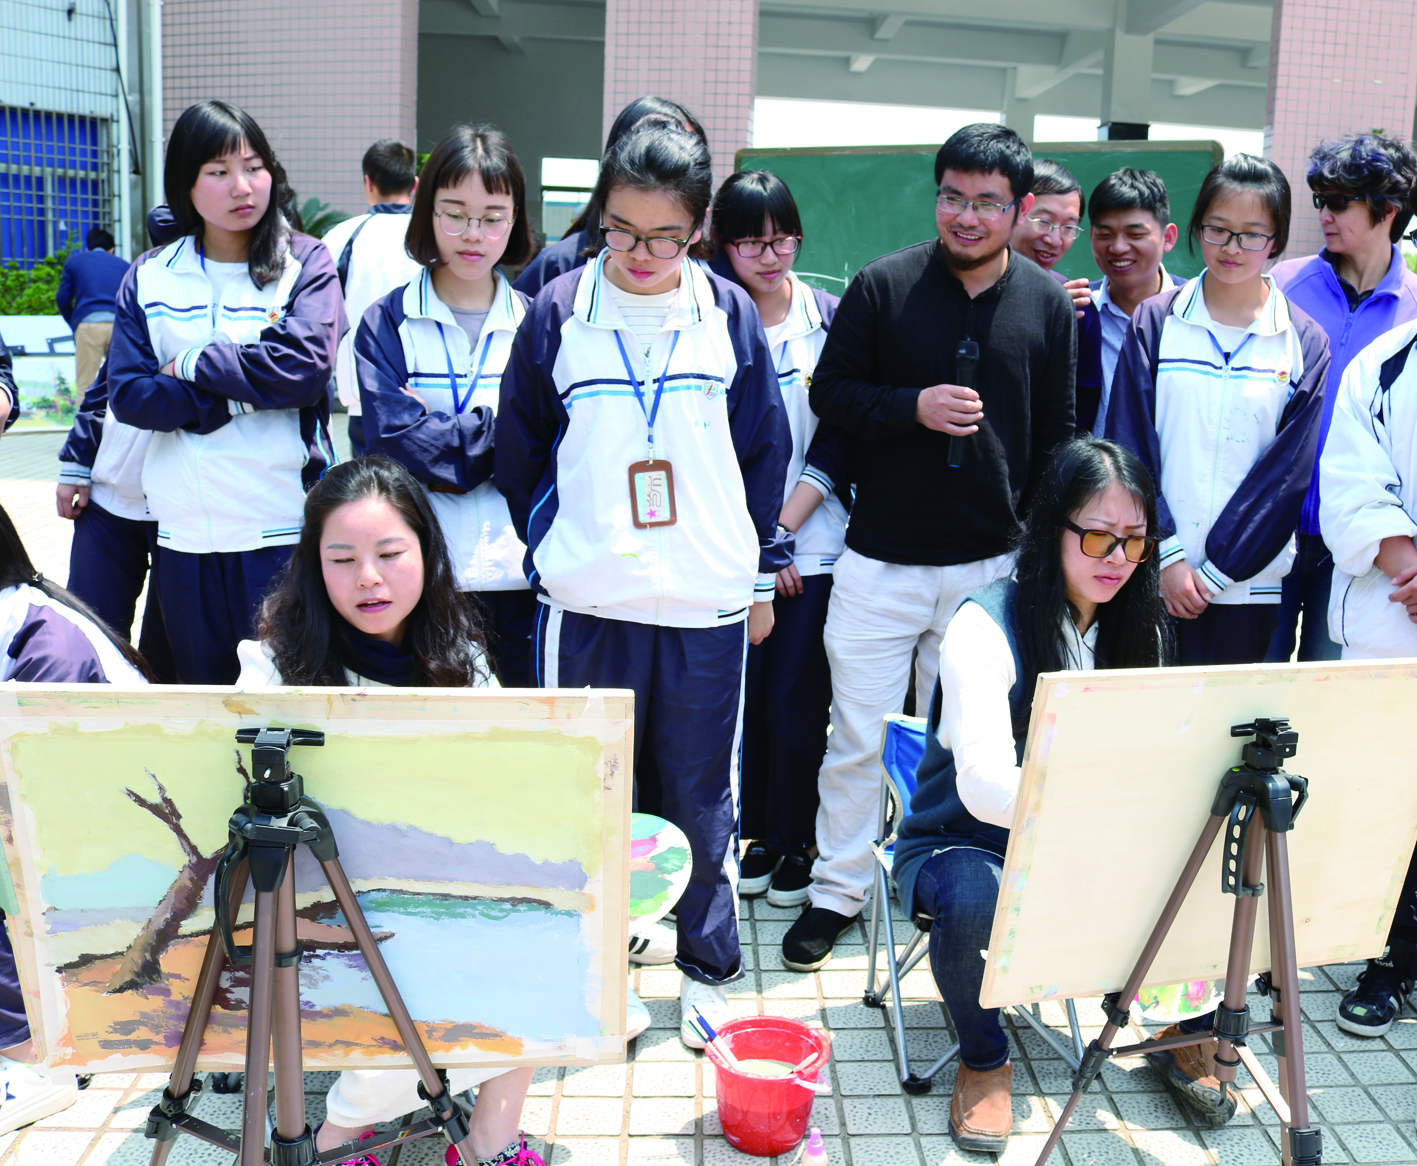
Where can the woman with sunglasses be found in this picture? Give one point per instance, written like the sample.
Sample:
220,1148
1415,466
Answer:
787,696
1084,595
1219,390
430,357
642,447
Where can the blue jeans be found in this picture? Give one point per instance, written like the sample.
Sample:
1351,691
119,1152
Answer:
959,889
1306,587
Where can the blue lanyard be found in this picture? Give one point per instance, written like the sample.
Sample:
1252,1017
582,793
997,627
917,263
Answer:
1227,357
653,411
460,405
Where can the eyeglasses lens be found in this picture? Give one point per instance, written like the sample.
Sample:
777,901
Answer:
1337,203
1098,544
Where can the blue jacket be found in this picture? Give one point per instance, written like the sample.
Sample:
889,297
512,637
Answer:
570,424
1229,438
89,284
1313,285
106,455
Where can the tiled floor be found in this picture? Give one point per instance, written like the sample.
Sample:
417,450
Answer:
659,1107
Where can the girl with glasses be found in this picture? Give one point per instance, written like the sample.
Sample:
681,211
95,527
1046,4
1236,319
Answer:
430,357
223,347
1076,600
1219,390
788,694
642,448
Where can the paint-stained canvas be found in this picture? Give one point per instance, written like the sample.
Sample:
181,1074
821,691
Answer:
486,835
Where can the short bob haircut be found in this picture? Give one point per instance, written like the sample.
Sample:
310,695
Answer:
464,150
1381,171
986,147
299,623
212,129
1246,174
1131,190
747,201
655,156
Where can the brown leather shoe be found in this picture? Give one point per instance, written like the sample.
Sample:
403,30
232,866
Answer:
982,1109
1189,1073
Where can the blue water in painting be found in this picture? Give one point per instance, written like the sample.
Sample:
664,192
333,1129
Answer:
516,967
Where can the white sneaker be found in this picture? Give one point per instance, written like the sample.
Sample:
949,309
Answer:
653,943
709,999
637,1017
26,1095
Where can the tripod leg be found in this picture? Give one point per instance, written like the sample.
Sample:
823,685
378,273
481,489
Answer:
1097,1051
1301,1146
290,1077
438,1098
258,1031
208,979
1242,942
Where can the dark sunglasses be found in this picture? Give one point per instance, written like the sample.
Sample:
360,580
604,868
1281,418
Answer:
1333,201
1098,544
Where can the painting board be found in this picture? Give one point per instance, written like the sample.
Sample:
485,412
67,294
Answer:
486,834
1118,779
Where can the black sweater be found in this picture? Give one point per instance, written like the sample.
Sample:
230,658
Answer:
896,333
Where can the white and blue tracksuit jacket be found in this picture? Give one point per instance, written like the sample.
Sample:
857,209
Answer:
819,454
43,641
1366,475
570,424
106,455
410,337
1229,438
241,430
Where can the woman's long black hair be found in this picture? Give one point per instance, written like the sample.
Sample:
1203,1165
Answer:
662,111
301,626
16,567
1132,629
211,129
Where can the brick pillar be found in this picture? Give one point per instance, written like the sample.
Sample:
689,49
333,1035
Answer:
1335,69
324,81
704,56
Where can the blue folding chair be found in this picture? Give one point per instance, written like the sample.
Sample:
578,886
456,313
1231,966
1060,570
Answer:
902,747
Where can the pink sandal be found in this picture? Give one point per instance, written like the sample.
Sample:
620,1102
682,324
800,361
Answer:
514,1155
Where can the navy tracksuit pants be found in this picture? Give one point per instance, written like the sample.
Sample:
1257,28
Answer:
108,561
1227,633
786,707
508,619
210,603
688,685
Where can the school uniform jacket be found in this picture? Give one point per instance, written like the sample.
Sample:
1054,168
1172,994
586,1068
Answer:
1229,438
410,337
820,453
570,425
1366,475
47,642
105,455
242,430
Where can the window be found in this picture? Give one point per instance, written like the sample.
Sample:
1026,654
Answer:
55,172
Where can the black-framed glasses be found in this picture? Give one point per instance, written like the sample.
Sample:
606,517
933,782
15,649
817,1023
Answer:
660,246
984,209
1249,240
1065,230
493,226
752,248
1332,200
1098,544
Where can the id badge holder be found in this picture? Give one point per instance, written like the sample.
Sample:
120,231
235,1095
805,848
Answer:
652,494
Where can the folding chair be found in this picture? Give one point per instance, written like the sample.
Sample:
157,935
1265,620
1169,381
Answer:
902,747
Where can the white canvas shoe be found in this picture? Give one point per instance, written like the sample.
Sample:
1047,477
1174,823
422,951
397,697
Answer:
709,999
27,1095
653,943
637,1017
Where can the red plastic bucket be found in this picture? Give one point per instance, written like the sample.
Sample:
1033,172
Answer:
768,1115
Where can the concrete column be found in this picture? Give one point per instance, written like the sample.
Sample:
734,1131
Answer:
1335,70
1018,112
704,56
1126,81
322,105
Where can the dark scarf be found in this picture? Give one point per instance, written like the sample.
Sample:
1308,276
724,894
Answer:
375,659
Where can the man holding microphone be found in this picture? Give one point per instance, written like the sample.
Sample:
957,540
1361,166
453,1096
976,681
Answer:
924,534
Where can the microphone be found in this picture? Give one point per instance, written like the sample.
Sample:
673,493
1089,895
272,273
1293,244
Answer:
966,364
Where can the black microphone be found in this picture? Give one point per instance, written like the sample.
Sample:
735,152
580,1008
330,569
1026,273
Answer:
966,364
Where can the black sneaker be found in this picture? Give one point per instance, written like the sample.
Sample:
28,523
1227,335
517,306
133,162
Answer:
790,883
808,942
755,869
1382,988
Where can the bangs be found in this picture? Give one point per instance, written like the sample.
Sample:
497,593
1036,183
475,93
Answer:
490,166
748,201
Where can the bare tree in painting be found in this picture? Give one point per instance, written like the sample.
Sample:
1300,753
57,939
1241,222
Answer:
141,964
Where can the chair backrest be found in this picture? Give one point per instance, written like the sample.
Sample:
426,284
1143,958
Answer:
902,747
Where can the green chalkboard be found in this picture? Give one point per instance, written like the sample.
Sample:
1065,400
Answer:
861,202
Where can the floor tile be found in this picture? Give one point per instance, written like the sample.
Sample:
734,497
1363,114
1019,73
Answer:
876,1115
590,1115
595,1081
1098,1149
662,1115
665,1080
1242,1147
1170,1148
1373,1143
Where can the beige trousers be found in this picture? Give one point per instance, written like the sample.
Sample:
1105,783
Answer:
90,347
